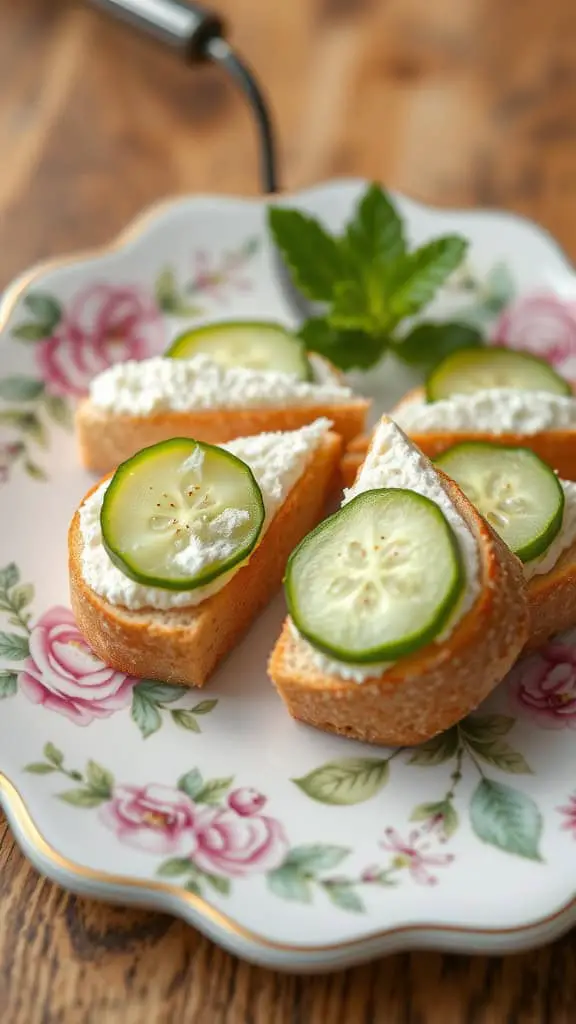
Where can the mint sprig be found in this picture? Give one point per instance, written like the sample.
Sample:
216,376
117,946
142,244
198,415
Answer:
370,282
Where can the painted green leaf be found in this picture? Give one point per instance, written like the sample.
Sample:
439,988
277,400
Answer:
53,755
44,308
185,719
8,683
316,857
99,779
174,867
214,790
498,290
40,768
290,884
506,818
501,755
20,389
482,728
204,707
438,750
30,332
191,783
21,595
218,882
344,896
35,471
82,798
145,714
443,808
350,780
9,576
58,408
14,647
159,693
29,424
193,887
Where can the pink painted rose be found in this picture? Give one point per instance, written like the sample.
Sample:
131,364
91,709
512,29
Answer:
543,324
569,813
65,676
157,819
105,324
237,844
246,801
544,686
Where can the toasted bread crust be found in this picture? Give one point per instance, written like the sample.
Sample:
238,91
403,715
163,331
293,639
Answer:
556,447
427,692
185,644
105,439
552,600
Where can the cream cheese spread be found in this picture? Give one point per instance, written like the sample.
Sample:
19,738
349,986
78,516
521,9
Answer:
563,540
277,460
140,388
394,461
494,411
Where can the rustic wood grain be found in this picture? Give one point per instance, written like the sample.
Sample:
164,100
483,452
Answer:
459,102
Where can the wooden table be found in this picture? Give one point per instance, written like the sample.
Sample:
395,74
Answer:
459,102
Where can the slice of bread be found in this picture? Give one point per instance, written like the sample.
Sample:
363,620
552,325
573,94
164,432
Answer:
428,691
556,447
552,600
184,645
105,439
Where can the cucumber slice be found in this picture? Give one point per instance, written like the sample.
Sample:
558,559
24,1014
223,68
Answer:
519,495
181,513
478,369
376,580
258,346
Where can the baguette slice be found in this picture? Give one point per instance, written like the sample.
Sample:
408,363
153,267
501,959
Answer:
556,447
552,600
428,691
107,437
183,645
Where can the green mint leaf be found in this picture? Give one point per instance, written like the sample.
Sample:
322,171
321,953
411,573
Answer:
45,309
376,232
427,343
20,389
415,278
348,350
311,253
351,308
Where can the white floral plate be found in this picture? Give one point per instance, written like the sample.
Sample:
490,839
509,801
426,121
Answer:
292,848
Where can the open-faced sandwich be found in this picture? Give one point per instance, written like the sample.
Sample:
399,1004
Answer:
487,394
217,382
405,607
173,556
535,514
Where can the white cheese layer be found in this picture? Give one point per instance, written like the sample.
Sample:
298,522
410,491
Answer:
495,411
563,540
140,388
394,461
277,460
